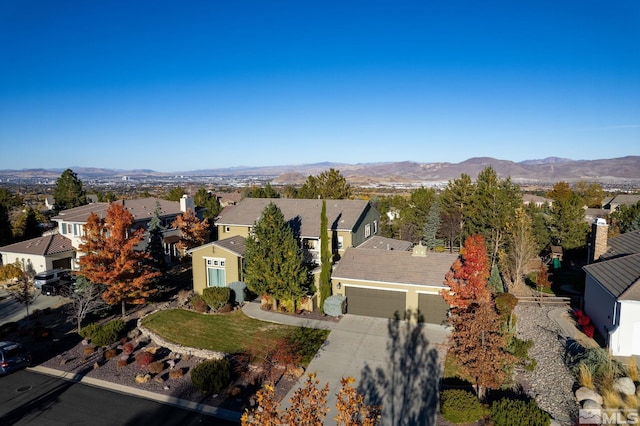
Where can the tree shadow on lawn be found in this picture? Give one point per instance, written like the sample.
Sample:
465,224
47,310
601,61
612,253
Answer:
407,389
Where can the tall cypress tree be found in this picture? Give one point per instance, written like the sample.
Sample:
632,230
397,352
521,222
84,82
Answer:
325,257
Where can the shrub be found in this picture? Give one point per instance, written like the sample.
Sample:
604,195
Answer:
212,376
198,304
156,367
632,369
144,358
89,350
238,290
460,406
176,374
515,412
505,303
122,363
127,348
585,376
216,297
111,353
89,330
103,335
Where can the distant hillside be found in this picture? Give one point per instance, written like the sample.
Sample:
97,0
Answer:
552,169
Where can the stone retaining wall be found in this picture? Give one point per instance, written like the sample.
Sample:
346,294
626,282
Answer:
176,348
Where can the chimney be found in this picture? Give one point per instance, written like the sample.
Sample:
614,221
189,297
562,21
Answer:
598,245
419,250
186,202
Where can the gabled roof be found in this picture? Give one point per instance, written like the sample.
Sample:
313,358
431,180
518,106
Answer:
140,208
620,276
343,215
623,200
394,267
622,245
235,245
384,243
42,246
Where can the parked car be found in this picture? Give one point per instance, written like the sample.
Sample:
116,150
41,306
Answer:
13,356
49,277
54,289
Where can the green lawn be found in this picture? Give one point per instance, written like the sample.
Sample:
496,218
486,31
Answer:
229,333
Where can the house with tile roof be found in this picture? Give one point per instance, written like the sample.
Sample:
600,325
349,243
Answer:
351,222
612,289
386,283
42,253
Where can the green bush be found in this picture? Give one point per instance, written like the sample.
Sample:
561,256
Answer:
212,376
103,335
198,304
216,297
515,412
505,303
460,406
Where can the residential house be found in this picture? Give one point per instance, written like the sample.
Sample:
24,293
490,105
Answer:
384,243
536,200
386,283
71,222
351,222
41,254
218,263
612,289
612,203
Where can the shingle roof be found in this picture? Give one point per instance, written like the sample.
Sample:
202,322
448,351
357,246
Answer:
398,267
42,246
384,243
620,276
236,245
622,245
140,208
342,215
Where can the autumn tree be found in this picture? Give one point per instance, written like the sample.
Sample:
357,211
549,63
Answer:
591,192
193,231
11,271
273,260
325,257
68,192
521,247
110,258
23,292
468,276
329,184
456,202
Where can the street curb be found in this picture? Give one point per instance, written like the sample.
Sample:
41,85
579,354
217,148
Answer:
220,413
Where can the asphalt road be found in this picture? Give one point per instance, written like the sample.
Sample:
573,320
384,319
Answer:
29,398
11,311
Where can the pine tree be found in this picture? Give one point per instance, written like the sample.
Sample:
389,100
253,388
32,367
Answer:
568,228
273,261
110,258
432,227
155,247
329,184
209,201
6,234
456,201
325,257
68,192
495,281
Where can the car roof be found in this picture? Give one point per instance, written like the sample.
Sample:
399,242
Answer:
9,345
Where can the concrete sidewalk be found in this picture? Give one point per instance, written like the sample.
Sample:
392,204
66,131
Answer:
569,329
253,310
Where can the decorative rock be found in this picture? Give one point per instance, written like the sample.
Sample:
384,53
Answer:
158,379
171,363
625,386
85,342
584,393
63,361
96,365
142,379
166,388
589,404
133,333
152,349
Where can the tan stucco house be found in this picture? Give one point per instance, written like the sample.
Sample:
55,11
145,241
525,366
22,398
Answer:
386,283
41,254
218,263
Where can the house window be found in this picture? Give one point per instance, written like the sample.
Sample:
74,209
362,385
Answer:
216,275
75,229
375,226
227,229
367,230
340,242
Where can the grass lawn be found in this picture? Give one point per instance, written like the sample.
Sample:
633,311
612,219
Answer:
229,333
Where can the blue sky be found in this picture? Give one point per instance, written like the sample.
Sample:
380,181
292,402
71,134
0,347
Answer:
176,86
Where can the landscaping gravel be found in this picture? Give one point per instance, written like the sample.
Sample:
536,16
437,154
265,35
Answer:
551,383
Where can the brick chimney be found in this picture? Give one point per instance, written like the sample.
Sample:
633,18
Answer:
598,244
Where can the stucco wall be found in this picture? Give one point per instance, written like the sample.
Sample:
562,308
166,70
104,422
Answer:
625,340
38,263
233,266
600,306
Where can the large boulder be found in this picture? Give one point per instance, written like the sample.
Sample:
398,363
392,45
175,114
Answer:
583,393
625,386
589,404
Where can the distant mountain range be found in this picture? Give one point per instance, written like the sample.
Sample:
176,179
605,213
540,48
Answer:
552,169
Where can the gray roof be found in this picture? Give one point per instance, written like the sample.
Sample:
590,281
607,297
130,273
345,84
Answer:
623,200
620,276
396,267
140,208
42,246
622,245
343,215
236,245
384,243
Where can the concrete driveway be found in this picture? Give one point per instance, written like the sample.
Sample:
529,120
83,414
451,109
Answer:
396,364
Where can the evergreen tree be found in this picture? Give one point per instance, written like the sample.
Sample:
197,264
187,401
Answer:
413,215
273,260
155,247
6,234
325,257
456,201
209,201
329,184
495,281
568,227
258,192
623,218
68,192
174,194
432,227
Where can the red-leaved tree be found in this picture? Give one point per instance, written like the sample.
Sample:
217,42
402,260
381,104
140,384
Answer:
193,231
110,258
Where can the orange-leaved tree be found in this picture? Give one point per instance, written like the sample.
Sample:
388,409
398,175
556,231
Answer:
468,277
193,231
110,258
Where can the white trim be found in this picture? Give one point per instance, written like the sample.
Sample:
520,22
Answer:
385,282
400,290
428,292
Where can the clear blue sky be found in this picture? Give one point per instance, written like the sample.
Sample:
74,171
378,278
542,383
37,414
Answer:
175,86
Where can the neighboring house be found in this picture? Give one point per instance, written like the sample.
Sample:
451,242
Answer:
536,200
42,253
350,222
71,222
386,283
218,263
384,243
612,289
228,198
49,202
